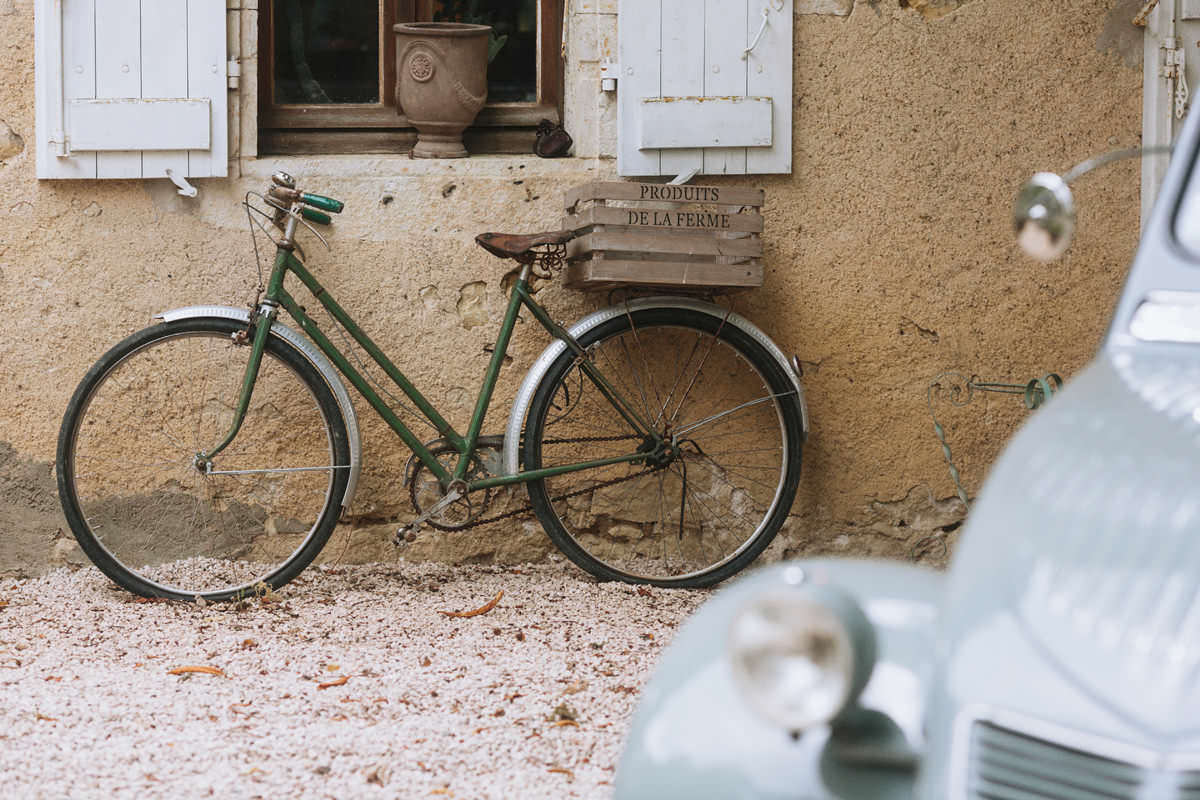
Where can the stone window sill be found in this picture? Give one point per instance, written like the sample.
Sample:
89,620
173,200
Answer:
397,166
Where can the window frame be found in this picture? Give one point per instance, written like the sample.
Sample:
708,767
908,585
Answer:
378,128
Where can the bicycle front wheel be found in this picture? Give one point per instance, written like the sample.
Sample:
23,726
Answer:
691,516
162,522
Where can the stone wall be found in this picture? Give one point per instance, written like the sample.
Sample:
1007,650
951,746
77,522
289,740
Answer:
889,257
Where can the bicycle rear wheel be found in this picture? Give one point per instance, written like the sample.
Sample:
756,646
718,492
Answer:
162,524
699,514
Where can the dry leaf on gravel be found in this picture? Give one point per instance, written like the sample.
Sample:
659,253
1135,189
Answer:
563,771
200,669
564,712
481,610
336,682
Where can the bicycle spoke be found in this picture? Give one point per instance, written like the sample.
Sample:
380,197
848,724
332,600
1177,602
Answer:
768,399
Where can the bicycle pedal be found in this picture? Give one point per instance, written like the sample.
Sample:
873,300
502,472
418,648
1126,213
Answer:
405,534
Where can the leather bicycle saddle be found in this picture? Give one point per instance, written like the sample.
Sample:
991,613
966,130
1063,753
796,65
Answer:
515,245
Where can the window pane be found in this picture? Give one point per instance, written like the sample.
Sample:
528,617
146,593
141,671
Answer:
512,73
326,51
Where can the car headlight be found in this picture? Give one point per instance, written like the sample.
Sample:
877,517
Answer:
801,655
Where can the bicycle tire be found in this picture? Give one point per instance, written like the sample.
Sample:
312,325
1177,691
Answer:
159,523
658,524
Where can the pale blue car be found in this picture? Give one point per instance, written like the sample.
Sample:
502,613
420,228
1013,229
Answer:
1058,659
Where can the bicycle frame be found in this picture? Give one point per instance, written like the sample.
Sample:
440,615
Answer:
276,297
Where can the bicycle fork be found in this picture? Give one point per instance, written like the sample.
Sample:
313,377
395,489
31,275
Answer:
260,323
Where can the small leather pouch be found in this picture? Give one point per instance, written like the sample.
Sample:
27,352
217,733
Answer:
552,140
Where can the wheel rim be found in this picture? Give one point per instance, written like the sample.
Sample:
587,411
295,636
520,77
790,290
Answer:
732,454
156,512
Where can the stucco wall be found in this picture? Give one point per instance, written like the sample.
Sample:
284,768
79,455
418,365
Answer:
889,256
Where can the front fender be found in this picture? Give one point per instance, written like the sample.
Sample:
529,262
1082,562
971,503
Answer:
520,407
693,736
315,357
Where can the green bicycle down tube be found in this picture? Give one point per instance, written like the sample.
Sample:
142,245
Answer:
489,379
365,389
262,329
610,393
377,355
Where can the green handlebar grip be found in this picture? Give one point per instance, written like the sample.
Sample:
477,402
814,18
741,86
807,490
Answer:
323,203
315,216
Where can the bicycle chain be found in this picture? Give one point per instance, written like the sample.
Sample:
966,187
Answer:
603,485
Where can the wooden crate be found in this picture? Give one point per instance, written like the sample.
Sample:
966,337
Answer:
681,237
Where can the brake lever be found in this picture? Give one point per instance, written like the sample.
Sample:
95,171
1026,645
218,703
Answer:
274,203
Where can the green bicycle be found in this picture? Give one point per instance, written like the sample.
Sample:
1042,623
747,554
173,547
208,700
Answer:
213,454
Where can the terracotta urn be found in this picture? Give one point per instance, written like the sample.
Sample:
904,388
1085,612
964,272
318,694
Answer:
441,82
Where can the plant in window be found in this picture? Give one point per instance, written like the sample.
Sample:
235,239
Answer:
471,11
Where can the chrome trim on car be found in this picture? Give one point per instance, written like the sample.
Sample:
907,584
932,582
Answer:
1054,735
1168,317
516,418
315,357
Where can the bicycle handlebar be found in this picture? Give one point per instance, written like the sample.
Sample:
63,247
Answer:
312,215
323,203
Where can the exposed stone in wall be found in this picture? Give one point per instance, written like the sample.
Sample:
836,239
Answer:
11,145
7,7
841,8
916,527
429,296
918,513
1120,35
30,521
933,9
471,308
909,327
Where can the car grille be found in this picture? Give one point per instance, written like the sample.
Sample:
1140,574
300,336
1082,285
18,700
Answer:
1008,765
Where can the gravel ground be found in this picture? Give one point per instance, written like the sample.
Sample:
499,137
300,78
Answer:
350,682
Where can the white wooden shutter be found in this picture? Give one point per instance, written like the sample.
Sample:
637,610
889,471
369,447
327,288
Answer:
131,88
1172,33
690,97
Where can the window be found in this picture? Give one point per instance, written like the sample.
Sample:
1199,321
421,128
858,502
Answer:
327,73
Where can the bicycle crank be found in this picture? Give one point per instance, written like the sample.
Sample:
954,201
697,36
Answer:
408,532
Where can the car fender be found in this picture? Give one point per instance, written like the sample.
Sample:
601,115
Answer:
694,736
314,356
516,418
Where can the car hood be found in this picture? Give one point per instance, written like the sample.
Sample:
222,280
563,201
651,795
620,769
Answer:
1086,543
